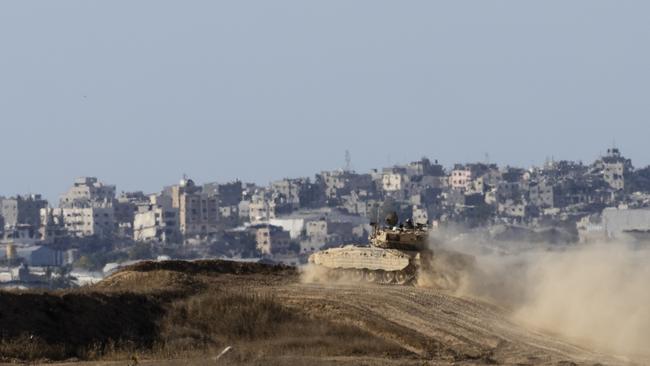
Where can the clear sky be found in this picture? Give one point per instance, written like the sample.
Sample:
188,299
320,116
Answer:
140,92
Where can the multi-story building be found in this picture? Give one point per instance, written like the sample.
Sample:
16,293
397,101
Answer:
125,208
541,194
325,231
86,209
338,183
228,194
289,189
272,239
395,181
22,210
88,192
420,215
460,177
424,167
127,204
315,228
156,223
52,227
361,203
198,212
79,221
261,210
613,167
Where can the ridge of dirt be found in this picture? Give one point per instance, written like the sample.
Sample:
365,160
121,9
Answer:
150,281
213,267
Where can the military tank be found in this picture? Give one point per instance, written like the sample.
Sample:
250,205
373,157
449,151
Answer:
396,253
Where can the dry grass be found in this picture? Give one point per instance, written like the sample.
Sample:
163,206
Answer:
228,315
213,267
159,311
28,347
258,325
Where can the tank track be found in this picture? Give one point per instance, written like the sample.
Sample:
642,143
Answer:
406,276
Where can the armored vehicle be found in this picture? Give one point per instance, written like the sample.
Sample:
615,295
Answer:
396,253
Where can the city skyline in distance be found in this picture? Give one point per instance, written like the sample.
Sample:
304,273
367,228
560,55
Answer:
224,91
390,162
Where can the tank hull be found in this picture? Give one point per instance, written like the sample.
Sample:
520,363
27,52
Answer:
369,264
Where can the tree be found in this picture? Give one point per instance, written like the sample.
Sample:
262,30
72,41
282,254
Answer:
84,263
141,251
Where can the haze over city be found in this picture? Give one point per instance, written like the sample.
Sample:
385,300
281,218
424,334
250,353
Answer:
324,182
139,93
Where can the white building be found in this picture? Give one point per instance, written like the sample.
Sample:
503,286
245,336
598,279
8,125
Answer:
394,182
297,222
420,215
261,210
156,224
620,221
613,174
82,222
460,178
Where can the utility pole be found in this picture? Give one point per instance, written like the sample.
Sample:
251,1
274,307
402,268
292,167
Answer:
348,161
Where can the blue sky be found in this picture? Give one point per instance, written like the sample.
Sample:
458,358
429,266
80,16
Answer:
140,92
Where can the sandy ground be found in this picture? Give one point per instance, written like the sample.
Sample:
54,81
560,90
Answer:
439,329
439,326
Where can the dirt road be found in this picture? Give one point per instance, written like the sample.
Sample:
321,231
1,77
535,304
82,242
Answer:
438,326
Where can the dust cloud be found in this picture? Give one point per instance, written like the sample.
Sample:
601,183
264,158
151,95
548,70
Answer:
312,273
598,295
